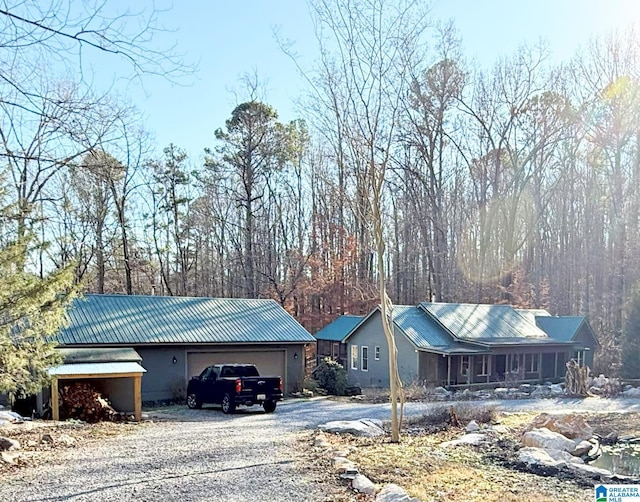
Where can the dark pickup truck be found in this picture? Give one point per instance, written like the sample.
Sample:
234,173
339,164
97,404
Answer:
232,385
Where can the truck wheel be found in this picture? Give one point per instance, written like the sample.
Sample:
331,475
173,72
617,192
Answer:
228,406
193,402
269,406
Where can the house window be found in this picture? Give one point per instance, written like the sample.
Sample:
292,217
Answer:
365,358
514,363
335,350
464,365
580,357
482,365
376,353
532,363
354,357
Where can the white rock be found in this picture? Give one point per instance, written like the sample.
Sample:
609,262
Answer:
365,427
321,441
564,456
556,389
393,493
501,392
472,426
589,469
548,440
363,484
7,458
472,438
582,447
632,392
531,455
341,464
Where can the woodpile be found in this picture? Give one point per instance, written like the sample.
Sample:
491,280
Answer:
82,401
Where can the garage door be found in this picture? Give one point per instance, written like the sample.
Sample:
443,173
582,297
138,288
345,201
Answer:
269,363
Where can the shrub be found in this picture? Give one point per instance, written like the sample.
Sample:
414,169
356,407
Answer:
331,376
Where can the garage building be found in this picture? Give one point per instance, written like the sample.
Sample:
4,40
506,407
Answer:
177,337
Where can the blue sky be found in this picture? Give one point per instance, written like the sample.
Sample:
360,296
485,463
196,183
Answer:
227,38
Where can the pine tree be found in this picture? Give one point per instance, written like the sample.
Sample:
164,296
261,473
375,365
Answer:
32,310
631,338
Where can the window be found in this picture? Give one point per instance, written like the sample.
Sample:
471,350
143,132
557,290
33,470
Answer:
482,365
580,357
365,358
464,365
532,363
376,353
514,362
335,350
354,357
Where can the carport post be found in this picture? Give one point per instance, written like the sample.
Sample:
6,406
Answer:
55,410
137,396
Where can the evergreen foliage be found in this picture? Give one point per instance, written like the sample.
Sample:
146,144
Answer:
32,310
331,376
631,338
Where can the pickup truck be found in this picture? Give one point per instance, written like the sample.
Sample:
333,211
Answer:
232,385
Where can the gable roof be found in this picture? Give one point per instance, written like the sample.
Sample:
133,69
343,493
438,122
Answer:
531,314
138,319
562,328
485,323
339,329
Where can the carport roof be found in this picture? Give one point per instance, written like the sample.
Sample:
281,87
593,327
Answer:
113,369
137,319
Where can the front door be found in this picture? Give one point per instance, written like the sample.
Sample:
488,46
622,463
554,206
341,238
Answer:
500,366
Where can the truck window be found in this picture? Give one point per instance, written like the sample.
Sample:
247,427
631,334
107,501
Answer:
249,371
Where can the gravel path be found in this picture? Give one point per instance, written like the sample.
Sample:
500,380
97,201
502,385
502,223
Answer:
192,455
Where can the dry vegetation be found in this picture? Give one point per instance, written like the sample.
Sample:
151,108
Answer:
469,473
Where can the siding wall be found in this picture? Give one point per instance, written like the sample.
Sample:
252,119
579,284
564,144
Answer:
370,334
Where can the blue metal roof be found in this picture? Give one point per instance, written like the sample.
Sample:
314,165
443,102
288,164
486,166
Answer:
483,323
560,328
419,328
137,319
339,329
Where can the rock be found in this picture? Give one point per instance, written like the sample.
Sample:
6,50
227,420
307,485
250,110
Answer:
599,381
66,440
11,417
7,458
556,390
472,426
473,438
441,393
531,455
393,493
501,392
541,391
632,392
571,426
591,471
363,484
8,444
364,427
582,447
546,439
610,438
563,456
596,391
341,464
321,442
46,438
499,429
525,388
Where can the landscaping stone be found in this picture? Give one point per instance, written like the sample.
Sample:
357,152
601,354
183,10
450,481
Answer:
394,493
556,390
590,470
525,387
632,392
363,484
363,428
472,426
532,455
501,392
582,448
321,441
571,426
472,438
8,444
342,464
7,458
548,440
541,391
564,456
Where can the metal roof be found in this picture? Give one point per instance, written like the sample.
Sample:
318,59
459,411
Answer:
103,355
137,319
560,328
339,329
419,328
483,323
96,369
531,314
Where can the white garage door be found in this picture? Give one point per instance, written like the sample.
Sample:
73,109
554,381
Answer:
269,363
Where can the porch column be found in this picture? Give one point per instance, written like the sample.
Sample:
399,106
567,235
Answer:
489,357
469,369
137,406
555,366
55,407
448,370
540,366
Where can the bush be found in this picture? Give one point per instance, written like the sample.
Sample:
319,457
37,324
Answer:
331,376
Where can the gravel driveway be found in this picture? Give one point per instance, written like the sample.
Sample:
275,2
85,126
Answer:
193,455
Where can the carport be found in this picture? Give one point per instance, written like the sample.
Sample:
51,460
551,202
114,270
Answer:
116,371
